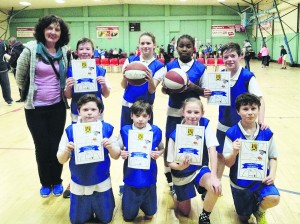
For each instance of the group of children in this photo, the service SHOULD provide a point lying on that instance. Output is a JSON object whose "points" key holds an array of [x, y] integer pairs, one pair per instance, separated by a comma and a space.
{"points": [[91, 192]]}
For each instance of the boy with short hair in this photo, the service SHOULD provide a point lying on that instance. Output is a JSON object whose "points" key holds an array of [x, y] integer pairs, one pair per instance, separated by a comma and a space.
{"points": [[250, 197], [140, 184], [91, 191]]}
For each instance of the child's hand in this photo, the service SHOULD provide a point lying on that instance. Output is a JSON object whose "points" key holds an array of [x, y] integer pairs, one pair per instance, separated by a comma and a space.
{"points": [[268, 180], [236, 145], [263, 126], [69, 147], [216, 186], [155, 154], [106, 144], [70, 82], [124, 153], [101, 80], [185, 163], [207, 93], [148, 76]]}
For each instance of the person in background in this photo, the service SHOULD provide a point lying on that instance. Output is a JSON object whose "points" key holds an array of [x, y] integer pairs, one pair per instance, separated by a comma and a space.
{"points": [[42, 67], [246, 54], [4, 80], [265, 56], [15, 49], [171, 48], [96, 52], [283, 54]]}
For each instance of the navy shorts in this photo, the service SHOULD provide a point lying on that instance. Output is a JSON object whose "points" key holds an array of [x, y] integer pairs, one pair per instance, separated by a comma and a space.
{"points": [[246, 201], [82, 207], [138, 198], [187, 191]]}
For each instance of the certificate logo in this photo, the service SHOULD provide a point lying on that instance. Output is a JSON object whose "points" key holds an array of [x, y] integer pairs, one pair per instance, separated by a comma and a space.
{"points": [[140, 136], [87, 129], [84, 64], [190, 131], [218, 77], [253, 146]]}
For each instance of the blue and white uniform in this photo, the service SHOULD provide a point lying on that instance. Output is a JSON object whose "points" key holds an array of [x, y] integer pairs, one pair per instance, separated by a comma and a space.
{"points": [[90, 184], [133, 93], [186, 180], [195, 70], [247, 193], [75, 96], [140, 185], [241, 82]]}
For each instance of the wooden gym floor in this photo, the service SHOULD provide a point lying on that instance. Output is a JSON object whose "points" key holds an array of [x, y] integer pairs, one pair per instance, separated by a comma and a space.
{"points": [[19, 184]]}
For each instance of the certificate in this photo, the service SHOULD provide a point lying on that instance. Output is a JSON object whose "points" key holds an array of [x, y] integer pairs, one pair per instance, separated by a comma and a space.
{"points": [[219, 84], [84, 73], [253, 160], [139, 148], [189, 142], [88, 142]]}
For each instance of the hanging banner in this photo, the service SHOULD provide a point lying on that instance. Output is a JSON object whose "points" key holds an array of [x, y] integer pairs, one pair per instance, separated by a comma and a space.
{"points": [[107, 31], [25, 31], [223, 30]]}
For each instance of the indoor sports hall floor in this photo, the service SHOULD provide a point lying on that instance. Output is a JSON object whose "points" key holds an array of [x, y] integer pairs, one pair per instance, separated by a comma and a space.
{"points": [[20, 201]]}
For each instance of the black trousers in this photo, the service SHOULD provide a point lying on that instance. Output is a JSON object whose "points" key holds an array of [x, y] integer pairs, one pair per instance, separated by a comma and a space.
{"points": [[46, 125]]}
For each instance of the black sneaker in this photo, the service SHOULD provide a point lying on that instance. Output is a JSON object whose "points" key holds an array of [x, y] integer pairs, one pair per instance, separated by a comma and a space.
{"points": [[204, 219], [66, 193]]}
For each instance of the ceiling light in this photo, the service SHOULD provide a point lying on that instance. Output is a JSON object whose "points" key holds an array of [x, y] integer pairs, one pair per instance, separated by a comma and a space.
{"points": [[221, 0], [25, 3], [60, 1]]}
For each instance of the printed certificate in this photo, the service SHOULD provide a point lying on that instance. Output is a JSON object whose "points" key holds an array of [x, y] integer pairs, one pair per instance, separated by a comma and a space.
{"points": [[87, 141], [253, 160], [139, 148], [84, 73], [189, 142], [219, 84]]}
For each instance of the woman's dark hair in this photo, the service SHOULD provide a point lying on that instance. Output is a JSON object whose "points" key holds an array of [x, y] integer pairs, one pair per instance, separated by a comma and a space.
{"points": [[44, 22]]}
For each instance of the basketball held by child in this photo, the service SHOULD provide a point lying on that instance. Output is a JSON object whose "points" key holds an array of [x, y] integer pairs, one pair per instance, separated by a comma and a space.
{"points": [[175, 80], [135, 73]]}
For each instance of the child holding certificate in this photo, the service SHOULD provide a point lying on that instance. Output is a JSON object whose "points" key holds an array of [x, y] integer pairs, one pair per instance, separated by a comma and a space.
{"points": [[142, 146], [241, 81], [186, 176], [85, 51], [256, 193], [91, 191]]}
